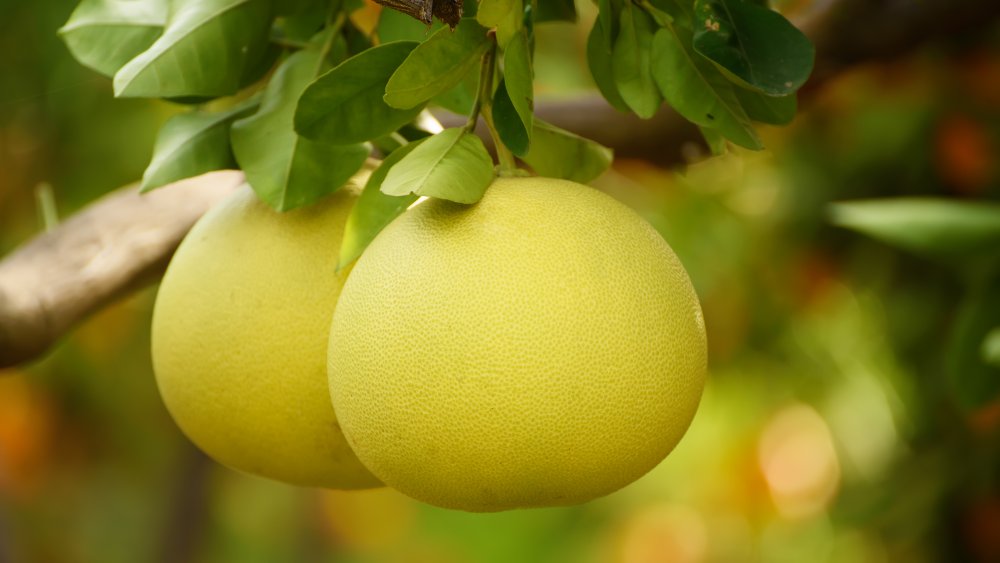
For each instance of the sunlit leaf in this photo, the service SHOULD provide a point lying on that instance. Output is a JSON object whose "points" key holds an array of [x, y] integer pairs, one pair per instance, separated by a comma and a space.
{"points": [[193, 143], [284, 169], [106, 34], [209, 48], [437, 65], [345, 105], [452, 165]]}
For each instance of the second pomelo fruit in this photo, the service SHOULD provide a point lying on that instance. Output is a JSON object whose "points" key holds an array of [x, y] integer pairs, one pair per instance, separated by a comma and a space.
{"points": [[542, 347], [240, 332]]}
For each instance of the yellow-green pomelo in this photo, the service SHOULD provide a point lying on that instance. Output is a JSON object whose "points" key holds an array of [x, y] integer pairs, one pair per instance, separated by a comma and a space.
{"points": [[542, 347], [240, 333]]}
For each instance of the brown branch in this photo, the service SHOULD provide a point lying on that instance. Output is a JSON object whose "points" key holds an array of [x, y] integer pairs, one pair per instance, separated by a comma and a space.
{"points": [[124, 241], [117, 244]]}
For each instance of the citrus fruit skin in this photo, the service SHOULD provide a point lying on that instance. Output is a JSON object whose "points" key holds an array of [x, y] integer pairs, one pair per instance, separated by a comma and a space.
{"points": [[240, 331], [543, 347]]}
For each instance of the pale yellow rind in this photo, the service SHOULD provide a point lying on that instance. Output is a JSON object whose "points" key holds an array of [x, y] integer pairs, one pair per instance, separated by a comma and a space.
{"points": [[542, 347], [240, 333]]}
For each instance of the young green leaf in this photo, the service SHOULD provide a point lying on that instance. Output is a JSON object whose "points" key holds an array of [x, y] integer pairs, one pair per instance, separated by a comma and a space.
{"points": [[345, 105], [374, 209], [599, 61], [560, 154], [697, 90], [452, 165], [556, 10], [937, 227], [106, 34], [519, 79], [754, 45], [209, 48], [507, 16], [631, 62], [973, 380], [193, 143], [768, 109], [286, 170], [510, 128], [437, 65]]}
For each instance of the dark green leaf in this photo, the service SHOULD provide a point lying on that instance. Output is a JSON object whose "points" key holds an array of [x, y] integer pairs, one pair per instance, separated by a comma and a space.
{"points": [[519, 79], [697, 90], [937, 227], [345, 105], [106, 34], [599, 61], [973, 381], [681, 11], [209, 48], [286, 170], [755, 46], [631, 62], [452, 165], [437, 65], [509, 126], [768, 109], [193, 143], [607, 18], [556, 10], [560, 154], [374, 209]]}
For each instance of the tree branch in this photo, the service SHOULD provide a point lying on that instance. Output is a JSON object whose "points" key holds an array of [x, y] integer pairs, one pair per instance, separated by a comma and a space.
{"points": [[124, 241], [116, 245]]}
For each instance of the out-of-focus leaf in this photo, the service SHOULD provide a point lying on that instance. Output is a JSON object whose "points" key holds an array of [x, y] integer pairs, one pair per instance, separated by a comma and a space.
{"points": [[556, 10], [991, 348], [193, 143], [631, 62], [106, 34], [974, 381], [768, 109], [284, 169], [374, 209], [345, 105], [209, 48], [437, 65], [755, 46], [560, 154], [681, 11], [715, 140], [697, 90], [938, 227], [452, 165]]}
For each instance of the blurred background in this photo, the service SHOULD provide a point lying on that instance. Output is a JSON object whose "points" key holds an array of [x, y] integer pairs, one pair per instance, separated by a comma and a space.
{"points": [[836, 426]]}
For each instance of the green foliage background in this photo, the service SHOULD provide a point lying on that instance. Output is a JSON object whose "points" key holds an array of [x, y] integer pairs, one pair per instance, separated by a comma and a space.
{"points": [[851, 414]]}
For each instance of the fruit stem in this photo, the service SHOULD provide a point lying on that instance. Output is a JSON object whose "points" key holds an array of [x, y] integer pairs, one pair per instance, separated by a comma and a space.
{"points": [[484, 107]]}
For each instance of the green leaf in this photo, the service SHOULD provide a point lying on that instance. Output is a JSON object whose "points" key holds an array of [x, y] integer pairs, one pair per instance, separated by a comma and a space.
{"points": [[607, 18], [755, 46], [681, 11], [345, 105], [519, 80], [697, 90], [452, 165], [556, 10], [937, 227], [461, 98], [715, 140], [560, 154], [437, 65], [286, 170], [990, 349], [397, 26], [508, 124], [106, 34], [631, 62], [768, 109], [374, 210], [599, 61], [209, 48], [974, 381], [507, 16], [193, 143]]}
